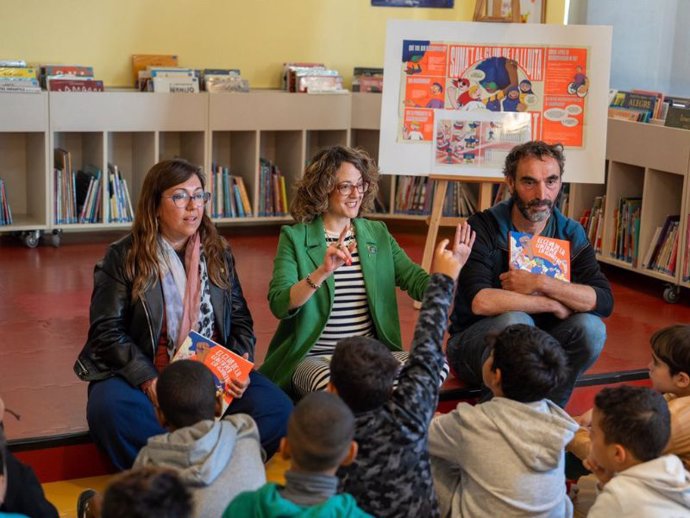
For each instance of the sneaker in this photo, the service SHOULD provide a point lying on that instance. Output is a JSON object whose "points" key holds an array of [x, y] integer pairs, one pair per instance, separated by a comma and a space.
{"points": [[84, 503]]}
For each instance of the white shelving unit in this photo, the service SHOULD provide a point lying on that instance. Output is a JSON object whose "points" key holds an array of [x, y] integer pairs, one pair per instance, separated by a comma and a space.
{"points": [[24, 163]]}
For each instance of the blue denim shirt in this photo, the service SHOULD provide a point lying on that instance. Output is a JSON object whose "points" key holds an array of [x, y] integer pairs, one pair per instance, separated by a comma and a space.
{"points": [[489, 258]]}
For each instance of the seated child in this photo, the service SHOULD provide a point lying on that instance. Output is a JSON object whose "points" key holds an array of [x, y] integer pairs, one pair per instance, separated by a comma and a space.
{"points": [[630, 428], [391, 475], [319, 439], [669, 371], [216, 460], [505, 457], [147, 492], [20, 490]]}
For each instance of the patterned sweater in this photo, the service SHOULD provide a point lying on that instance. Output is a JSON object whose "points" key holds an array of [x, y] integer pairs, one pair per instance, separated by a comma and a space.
{"points": [[391, 476]]}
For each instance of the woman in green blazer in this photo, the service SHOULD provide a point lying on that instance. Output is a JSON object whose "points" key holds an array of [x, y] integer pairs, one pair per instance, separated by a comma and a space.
{"points": [[335, 274]]}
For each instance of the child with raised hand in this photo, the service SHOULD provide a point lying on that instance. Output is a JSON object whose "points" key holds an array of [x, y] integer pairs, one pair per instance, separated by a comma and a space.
{"points": [[505, 457], [319, 440], [630, 428], [669, 371], [391, 475]]}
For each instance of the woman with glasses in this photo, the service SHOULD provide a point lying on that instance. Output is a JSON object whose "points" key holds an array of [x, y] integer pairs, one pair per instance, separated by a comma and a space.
{"points": [[173, 273], [335, 273]]}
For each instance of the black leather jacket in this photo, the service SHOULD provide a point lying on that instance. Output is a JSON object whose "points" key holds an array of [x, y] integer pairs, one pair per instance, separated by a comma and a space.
{"points": [[123, 336]]}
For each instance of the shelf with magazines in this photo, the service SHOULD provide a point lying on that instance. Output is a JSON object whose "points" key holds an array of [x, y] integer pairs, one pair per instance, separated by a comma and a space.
{"points": [[23, 164], [646, 207]]}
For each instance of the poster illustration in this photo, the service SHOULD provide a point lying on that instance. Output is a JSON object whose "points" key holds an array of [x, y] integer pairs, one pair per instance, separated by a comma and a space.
{"points": [[477, 143], [557, 75], [548, 82]]}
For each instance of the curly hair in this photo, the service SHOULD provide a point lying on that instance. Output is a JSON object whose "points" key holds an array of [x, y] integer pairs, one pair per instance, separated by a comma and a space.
{"points": [[319, 180], [141, 265]]}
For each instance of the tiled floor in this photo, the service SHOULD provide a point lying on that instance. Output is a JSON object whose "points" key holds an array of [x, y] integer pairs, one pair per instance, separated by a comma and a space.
{"points": [[44, 320]]}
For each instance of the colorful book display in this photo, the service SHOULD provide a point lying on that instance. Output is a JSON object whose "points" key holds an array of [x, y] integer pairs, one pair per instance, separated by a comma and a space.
{"points": [[539, 254]]}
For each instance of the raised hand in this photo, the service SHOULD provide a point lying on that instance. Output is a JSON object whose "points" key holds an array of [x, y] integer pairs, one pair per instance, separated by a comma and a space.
{"points": [[450, 262], [463, 242], [338, 254]]}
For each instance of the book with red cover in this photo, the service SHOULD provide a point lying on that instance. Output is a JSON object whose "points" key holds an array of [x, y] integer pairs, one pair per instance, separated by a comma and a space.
{"points": [[539, 254], [59, 84], [223, 363]]}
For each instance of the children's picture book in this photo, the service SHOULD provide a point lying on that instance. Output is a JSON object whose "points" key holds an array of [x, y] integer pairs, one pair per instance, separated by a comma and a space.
{"points": [[539, 254], [224, 364]]}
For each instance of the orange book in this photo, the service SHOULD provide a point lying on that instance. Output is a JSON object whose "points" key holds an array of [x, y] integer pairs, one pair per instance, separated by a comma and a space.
{"points": [[539, 254], [223, 363], [142, 61]]}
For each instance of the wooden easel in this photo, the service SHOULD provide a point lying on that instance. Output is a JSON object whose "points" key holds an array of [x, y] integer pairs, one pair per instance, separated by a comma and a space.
{"points": [[482, 13], [437, 219]]}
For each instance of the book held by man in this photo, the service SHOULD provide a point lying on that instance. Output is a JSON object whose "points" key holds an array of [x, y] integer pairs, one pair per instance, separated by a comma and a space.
{"points": [[539, 254], [223, 363]]}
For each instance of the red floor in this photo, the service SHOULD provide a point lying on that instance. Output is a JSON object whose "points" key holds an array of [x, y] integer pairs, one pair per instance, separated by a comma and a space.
{"points": [[44, 320]]}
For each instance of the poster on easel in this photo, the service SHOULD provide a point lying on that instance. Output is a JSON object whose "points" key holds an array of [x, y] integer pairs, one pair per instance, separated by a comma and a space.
{"points": [[556, 75]]}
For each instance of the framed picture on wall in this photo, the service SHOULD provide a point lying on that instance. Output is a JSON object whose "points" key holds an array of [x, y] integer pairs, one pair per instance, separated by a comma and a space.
{"points": [[531, 11]]}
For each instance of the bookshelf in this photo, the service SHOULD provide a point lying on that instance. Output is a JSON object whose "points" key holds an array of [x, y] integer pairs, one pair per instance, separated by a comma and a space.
{"points": [[24, 163], [651, 162], [282, 127]]}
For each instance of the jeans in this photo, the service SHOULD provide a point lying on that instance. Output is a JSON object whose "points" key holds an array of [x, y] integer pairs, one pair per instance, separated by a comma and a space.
{"points": [[581, 335], [121, 417]]}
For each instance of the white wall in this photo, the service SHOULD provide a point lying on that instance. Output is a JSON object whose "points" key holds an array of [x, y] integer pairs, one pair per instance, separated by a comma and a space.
{"points": [[651, 44]]}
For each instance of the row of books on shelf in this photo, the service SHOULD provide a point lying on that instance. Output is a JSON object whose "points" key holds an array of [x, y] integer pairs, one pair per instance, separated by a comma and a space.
{"points": [[662, 254], [17, 76], [367, 79], [79, 194], [593, 222], [461, 200], [626, 223], [230, 198], [649, 106], [272, 190], [414, 195], [310, 78], [5, 210]]}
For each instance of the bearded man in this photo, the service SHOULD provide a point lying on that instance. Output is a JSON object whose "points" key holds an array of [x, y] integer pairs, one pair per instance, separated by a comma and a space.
{"points": [[490, 296]]}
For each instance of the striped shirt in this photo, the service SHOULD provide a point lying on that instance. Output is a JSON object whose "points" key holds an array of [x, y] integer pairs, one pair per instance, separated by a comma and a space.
{"points": [[350, 314]]}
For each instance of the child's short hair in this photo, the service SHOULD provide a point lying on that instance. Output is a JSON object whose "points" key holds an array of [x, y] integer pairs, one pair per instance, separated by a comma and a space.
{"points": [[320, 431], [186, 393], [637, 418], [672, 346], [363, 371], [532, 362], [146, 492]]}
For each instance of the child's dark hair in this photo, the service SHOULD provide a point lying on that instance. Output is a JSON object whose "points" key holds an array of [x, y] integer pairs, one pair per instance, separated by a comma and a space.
{"points": [[363, 371], [146, 492], [320, 431], [532, 362], [672, 346], [637, 418], [186, 393]]}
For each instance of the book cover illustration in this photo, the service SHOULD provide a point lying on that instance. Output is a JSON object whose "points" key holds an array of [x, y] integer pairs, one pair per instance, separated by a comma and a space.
{"points": [[539, 254], [223, 363]]}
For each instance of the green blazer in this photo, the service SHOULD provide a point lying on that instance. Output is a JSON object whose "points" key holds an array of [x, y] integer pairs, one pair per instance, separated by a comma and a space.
{"points": [[301, 249]]}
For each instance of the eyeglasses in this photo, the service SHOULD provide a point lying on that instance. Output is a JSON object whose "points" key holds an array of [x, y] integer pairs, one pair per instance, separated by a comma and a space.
{"points": [[346, 188], [181, 199]]}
